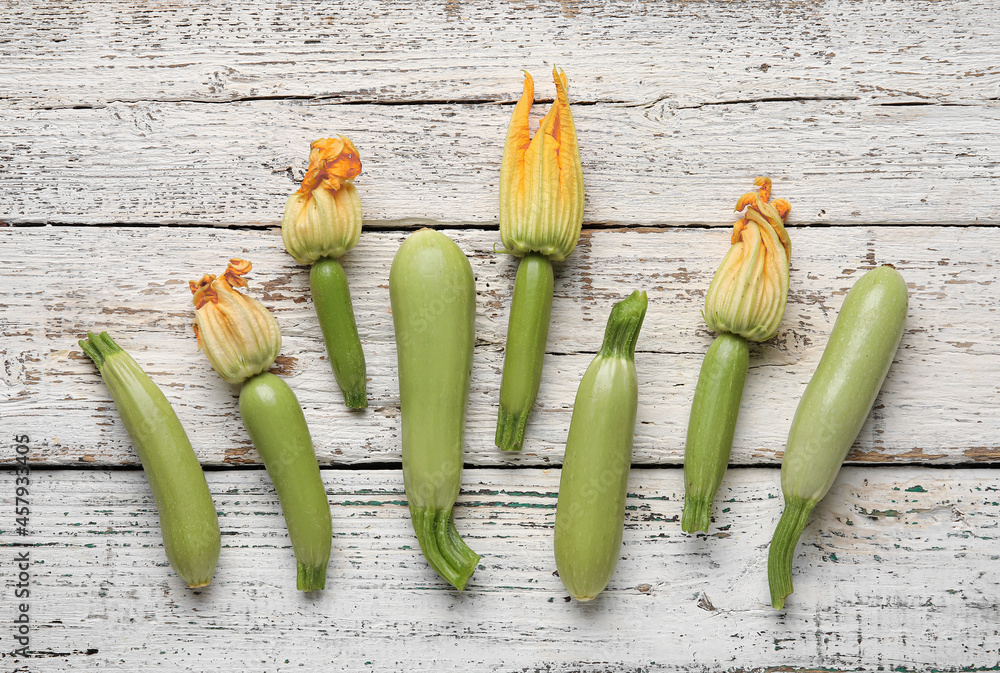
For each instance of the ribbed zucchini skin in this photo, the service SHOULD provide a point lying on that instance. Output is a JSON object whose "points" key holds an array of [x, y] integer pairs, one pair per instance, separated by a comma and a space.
{"points": [[433, 296]]}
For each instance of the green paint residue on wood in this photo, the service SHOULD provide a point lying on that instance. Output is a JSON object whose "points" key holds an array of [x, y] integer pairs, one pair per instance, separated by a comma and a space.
{"points": [[879, 512], [530, 494], [916, 489]]}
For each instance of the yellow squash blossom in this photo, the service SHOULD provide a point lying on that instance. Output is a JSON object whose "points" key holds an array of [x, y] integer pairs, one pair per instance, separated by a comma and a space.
{"points": [[323, 218], [239, 336], [748, 293], [541, 179]]}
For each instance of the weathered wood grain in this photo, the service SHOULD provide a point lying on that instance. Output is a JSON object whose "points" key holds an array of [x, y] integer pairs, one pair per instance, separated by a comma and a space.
{"points": [[939, 403], [89, 53], [838, 162], [896, 571]]}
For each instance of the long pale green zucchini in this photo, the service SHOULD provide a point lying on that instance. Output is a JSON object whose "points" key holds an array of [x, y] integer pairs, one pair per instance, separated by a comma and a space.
{"points": [[833, 408], [433, 298], [188, 521], [590, 511]]}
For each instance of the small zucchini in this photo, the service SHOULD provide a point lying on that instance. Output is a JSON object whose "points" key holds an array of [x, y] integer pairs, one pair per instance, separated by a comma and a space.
{"points": [[241, 339], [745, 302], [188, 520], [590, 511], [833, 408], [277, 427], [332, 299], [322, 222], [712, 426], [527, 332], [433, 298], [541, 215]]}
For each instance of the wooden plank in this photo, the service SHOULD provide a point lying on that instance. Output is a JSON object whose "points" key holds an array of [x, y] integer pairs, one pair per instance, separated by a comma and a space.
{"points": [[896, 571], [838, 162], [938, 404], [92, 52]]}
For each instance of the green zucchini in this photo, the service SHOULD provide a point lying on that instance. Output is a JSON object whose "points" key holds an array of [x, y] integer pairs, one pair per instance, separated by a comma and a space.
{"points": [[433, 298], [834, 407], [188, 520], [590, 511], [527, 332], [332, 299], [277, 427], [712, 426], [241, 339], [745, 302]]}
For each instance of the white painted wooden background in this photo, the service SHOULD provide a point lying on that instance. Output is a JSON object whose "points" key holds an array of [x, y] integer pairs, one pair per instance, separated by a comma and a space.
{"points": [[143, 144]]}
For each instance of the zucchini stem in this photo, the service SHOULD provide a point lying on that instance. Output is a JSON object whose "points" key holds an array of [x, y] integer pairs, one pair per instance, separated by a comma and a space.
{"points": [[527, 332], [786, 537], [623, 327], [442, 546], [98, 347], [310, 577], [697, 514], [332, 299]]}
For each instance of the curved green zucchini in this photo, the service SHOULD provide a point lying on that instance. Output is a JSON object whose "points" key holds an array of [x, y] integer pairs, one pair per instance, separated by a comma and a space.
{"points": [[833, 408], [433, 297], [332, 299], [590, 511], [188, 520], [711, 427], [274, 420]]}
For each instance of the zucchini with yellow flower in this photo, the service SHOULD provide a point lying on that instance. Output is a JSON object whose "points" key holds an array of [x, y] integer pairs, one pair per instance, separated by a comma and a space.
{"points": [[241, 339], [188, 521], [590, 511], [834, 406], [433, 298], [541, 215], [745, 302], [322, 222]]}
